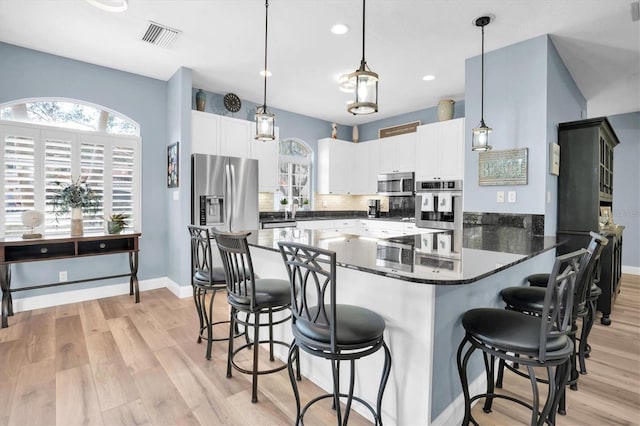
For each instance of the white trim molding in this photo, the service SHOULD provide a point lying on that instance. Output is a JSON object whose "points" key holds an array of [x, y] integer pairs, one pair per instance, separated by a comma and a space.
{"points": [[633, 270], [74, 296]]}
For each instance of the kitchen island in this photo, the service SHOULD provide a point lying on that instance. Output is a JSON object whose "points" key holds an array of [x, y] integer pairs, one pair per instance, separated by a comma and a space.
{"points": [[420, 284]]}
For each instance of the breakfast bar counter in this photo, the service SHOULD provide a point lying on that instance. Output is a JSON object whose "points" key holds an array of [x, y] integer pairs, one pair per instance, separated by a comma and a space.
{"points": [[420, 284]]}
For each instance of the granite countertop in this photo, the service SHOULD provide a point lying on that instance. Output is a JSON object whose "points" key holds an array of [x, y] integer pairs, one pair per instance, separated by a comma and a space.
{"points": [[441, 257]]}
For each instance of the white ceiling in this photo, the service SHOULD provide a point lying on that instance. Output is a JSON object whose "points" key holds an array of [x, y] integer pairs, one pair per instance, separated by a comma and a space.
{"points": [[222, 42]]}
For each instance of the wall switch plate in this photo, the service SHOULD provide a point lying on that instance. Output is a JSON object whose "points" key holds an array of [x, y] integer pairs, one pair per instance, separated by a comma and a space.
{"points": [[512, 196], [62, 276], [500, 197]]}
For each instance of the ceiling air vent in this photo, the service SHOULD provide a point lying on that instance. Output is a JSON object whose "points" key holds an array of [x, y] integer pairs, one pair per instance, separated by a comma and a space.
{"points": [[160, 35]]}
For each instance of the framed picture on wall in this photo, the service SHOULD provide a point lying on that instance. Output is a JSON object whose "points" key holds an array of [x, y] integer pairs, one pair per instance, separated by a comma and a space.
{"points": [[173, 165]]}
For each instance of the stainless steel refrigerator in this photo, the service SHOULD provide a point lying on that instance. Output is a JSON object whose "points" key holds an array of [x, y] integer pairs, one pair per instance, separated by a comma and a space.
{"points": [[224, 192]]}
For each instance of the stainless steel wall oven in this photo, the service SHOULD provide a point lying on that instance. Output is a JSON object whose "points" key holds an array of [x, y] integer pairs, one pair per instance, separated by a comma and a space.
{"points": [[439, 204]]}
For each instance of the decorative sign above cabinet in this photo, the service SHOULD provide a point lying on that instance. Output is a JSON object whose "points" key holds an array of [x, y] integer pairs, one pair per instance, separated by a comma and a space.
{"points": [[507, 167], [398, 130]]}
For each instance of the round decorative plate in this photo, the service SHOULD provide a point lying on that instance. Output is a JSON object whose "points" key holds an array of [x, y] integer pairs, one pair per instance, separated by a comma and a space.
{"points": [[232, 102]]}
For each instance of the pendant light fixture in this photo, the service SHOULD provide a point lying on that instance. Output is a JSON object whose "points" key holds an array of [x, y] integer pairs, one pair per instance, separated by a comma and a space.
{"points": [[265, 122], [480, 138], [365, 82]]}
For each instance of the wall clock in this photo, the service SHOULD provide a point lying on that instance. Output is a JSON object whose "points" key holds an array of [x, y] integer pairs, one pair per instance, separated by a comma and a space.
{"points": [[232, 102]]}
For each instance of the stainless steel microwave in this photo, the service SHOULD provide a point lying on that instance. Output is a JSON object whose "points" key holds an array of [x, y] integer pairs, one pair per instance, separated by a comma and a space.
{"points": [[396, 184]]}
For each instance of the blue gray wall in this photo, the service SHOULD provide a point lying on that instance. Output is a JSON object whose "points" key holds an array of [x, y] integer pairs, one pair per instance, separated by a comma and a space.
{"points": [[26, 73], [178, 204], [528, 91], [565, 103], [515, 106], [626, 188]]}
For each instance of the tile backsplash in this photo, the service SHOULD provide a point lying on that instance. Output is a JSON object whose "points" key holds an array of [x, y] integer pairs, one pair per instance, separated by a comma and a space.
{"points": [[329, 202]]}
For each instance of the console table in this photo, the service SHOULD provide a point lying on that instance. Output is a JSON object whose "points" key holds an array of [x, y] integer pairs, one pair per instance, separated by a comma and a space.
{"points": [[17, 250]]}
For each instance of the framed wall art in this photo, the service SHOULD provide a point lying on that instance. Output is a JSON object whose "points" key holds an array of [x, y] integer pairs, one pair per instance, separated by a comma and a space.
{"points": [[173, 165], [508, 167]]}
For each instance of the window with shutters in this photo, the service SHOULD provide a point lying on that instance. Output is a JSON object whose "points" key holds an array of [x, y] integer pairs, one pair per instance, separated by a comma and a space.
{"points": [[36, 157]]}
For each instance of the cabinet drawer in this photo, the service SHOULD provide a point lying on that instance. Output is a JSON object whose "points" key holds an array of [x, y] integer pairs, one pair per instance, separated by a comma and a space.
{"points": [[105, 246], [38, 251]]}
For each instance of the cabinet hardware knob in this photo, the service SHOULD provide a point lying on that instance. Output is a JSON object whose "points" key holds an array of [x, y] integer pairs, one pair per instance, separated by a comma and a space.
{"points": [[102, 245], [44, 250]]}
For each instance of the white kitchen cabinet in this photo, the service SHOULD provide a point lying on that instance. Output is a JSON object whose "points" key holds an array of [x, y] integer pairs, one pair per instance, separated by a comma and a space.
{"points": [[335, 166], [440, 150], [235, 137], [217, 135], [267, 152], [367, 167], [205, 133], [398, 153]]}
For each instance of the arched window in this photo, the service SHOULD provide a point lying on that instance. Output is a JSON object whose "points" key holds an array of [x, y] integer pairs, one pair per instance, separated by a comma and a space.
{"points": [[294, 171], [46, 141], [69, 114]]}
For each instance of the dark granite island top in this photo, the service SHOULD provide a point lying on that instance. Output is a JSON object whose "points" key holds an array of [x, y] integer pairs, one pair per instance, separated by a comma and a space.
{"points": [[438, 257]]}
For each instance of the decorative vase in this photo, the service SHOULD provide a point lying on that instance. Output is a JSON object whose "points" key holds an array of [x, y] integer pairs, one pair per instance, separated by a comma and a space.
{"points": [[201, 100], [445, 109], [77, 229], [355, 135]]}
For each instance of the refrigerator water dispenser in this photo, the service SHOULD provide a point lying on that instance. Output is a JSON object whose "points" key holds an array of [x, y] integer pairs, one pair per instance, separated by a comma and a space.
{"points": [[211, 210]]}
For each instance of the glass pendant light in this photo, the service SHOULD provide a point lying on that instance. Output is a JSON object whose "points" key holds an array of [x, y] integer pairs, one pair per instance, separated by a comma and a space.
{"points": [[265, 122], [480, 138], [365, 82]]}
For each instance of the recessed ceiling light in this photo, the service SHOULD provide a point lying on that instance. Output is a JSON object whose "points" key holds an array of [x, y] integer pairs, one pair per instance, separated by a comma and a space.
{"points": [[340, 29], [429, 77], [267, 72], [110, 5]]}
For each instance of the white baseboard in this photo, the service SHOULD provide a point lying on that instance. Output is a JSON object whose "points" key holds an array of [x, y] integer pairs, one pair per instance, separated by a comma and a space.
{"points": [[454, 413], [74, 296], [633, 270]]}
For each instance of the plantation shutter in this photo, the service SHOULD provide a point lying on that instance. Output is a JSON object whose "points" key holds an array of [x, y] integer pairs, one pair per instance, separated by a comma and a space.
{"points": [[18, 168], [58, 167], [92, 168], [123, 179]]}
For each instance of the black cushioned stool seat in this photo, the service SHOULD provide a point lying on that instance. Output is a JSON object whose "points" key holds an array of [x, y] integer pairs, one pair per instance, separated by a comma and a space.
{"points": [[513, 332]]}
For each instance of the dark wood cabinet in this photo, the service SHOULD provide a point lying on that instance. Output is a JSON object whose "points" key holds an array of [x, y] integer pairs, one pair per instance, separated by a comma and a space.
{"points": [[585, 185]]}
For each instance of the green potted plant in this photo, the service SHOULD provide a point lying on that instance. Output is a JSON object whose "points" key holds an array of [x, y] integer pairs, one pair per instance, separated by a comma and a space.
{"points": [[305, 203], [75, 197], [117, 222]]}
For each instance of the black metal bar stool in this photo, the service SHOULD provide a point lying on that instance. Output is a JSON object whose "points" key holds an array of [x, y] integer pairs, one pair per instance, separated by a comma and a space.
{"points": [[253, 296], [587, 313], [325, 329], [530, 300], [206, 282], [533, 341]]}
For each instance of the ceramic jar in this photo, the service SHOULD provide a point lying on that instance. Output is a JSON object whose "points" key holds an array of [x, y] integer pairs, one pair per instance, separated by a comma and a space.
{"points": [[445, 109]]}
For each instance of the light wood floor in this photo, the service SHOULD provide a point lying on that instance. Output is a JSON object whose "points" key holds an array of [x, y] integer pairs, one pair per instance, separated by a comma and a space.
{"points": [[111, 362]]}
